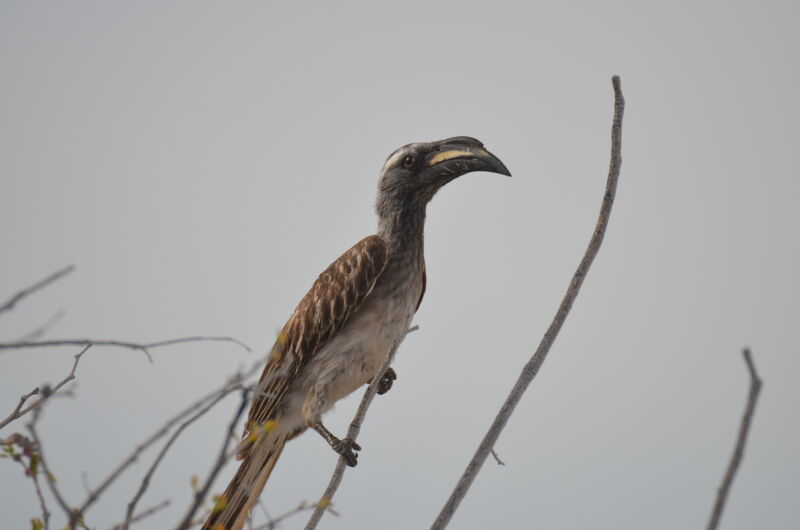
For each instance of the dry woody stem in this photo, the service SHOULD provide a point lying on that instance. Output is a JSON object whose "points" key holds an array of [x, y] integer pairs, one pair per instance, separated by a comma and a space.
{"points": [[741, 440], [532, 367]]}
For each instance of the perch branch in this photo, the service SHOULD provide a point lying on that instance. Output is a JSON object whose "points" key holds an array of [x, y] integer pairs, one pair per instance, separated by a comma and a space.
{"points": [[352, 433], [534, 364], [741, 440]]}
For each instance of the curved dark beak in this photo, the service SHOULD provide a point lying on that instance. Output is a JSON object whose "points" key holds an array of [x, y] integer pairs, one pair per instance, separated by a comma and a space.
{"points": [[457, 156]]}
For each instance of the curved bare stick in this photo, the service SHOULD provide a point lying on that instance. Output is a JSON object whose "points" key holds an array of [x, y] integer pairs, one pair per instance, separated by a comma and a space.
{"points": [[352, 432], [11, 302], [532, 367], [741, 440], [19, 411], [142, 347]]}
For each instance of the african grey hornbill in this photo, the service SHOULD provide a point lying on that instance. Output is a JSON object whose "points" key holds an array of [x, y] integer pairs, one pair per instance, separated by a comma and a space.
{"points": [[342, 330]]}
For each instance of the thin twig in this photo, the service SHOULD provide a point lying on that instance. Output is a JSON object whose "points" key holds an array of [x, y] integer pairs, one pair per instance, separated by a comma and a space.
{"points": [[129, 517], [72, 514], [741, 441], [142, 347], [532, 367], [139, 516], [497, 458], [230, 386], [16, 412], [223, 456], [32, 469], [273, 523], [11, 302], [42, 328], [45, 511], [352, 432], [19, 412]]}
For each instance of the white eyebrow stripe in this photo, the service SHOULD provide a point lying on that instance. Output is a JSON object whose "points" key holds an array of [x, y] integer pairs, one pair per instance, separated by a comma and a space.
{"points": [[394, 158]]}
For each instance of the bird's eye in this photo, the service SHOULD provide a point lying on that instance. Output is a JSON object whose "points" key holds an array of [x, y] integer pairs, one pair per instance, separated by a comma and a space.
{"points": [[408, 161]]}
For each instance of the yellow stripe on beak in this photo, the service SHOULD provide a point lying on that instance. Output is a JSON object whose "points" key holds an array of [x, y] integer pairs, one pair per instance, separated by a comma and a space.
{"points": [[455, 153]]}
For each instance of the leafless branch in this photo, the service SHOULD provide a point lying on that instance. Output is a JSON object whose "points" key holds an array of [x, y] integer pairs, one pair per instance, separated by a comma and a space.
{"points": [[45, 511], [532, 367], [72, 514], [139, 516], [30, 451], [129, 517], [142, 347], [273, 523], [233, 384], [497, 458], [741, 440], [40, 330], [19, 411], [11, 302], [352, 432], [16, 412], [223, 457]]}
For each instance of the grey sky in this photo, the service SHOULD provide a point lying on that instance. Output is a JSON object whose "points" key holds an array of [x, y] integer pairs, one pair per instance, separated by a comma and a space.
{"points": [[201, 164]]}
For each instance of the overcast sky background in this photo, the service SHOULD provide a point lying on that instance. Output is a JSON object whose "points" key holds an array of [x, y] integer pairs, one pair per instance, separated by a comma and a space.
{"points": [[200, 163]]}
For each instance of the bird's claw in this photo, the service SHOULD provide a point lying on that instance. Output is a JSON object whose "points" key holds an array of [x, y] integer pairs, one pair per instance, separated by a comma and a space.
{"points": [[347, 449], [386, 381]]}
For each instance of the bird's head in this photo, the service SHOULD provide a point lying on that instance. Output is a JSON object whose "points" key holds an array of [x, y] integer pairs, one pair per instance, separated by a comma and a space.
{"points": [[415, 172]]}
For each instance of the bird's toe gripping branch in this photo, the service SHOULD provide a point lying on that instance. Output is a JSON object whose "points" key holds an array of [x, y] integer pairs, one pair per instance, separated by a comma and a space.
{"points": [[345, 447], [385, 384]]}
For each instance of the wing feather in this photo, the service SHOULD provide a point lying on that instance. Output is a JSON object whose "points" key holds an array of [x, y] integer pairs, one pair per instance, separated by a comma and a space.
{"points": [[336, 294]]}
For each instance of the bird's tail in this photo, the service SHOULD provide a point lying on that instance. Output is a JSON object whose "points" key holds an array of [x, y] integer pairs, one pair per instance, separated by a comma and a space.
{"points": [[233, 508]]}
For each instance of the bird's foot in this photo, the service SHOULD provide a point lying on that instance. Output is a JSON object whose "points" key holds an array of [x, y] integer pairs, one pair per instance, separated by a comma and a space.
{"points": [[386, 381], [345, 447]]}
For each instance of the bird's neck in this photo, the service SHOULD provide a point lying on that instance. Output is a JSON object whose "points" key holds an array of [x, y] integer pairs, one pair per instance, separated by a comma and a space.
{"points": [[402, 228]]}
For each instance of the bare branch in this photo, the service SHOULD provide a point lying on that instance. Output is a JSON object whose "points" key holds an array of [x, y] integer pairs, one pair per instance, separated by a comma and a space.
{"points": [[143, 347], [235, 383], [72, 514], [42, 328], [273, 523], [16, 412], [139, 516], [19, 412], [532, 367], [352, 432], [45, 511], [223, 457], [11, 302], [741, 441], [497, 458], [129, 517]]}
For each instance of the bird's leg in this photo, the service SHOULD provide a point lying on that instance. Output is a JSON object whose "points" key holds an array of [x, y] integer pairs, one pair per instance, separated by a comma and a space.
{"points": [[345, 447], [386, 381]]}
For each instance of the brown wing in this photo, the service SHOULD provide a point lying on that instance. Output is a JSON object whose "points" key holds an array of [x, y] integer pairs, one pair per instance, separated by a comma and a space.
{"points": [[335, 295]]}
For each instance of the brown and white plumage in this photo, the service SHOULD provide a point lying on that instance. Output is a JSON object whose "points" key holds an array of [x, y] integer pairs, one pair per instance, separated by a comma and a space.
{"points": [[341, 331]]}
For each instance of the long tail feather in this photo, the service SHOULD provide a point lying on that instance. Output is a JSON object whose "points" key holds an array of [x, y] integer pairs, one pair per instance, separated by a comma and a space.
{"points": [[246, 486]]}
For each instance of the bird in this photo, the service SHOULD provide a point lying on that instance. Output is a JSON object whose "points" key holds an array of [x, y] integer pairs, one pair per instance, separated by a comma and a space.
{"points": [[343, 329]]}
